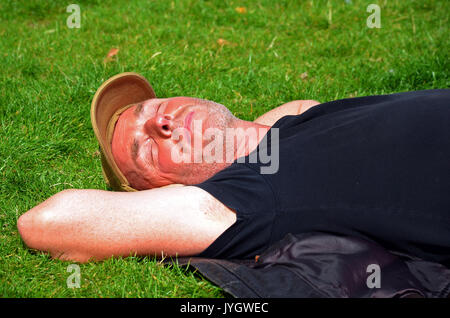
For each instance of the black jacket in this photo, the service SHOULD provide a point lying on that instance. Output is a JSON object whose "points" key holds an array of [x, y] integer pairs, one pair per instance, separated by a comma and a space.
{"points": [[322, 265]]}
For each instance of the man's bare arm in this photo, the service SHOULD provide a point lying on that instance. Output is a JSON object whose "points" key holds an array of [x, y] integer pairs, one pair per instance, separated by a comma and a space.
{"points": [[81, 225], [295, 107]]}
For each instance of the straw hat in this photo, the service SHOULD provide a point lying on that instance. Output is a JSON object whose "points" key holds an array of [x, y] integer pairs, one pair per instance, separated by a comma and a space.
{"points": [[111, 99]]}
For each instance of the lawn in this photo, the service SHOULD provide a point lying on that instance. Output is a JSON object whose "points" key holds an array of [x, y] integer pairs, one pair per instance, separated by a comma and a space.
{"points": [[248, 55]]}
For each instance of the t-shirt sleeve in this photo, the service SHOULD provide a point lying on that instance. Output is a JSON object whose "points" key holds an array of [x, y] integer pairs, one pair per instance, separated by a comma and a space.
{"points": [[245, 191]]}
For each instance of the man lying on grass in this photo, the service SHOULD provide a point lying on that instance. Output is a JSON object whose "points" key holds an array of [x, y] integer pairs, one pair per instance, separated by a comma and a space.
{"points": [[375, 167]]}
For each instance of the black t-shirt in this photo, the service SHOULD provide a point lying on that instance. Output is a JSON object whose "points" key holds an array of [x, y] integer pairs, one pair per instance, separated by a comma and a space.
{"points": [[376, 167]]}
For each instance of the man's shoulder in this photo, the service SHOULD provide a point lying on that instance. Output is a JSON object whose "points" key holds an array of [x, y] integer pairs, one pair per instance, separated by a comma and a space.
{"points": [[295, 107]]}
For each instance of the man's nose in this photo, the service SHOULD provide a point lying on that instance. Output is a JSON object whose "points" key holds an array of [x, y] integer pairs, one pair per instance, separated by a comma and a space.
{"points": [[160, 124]]}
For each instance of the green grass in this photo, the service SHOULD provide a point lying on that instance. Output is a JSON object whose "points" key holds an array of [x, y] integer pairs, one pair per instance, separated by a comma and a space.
{"points": [[49, 74]]}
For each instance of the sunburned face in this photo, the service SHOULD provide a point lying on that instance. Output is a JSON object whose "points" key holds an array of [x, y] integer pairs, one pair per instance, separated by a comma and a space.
{"points": [[145, 135]]}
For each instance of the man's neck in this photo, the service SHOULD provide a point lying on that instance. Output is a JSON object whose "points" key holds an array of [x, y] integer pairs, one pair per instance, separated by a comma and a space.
{"points": [[247, 136]]}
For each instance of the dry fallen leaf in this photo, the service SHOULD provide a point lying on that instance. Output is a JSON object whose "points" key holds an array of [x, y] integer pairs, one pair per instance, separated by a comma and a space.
{"points": [[241, 10], [222, 42], [109, 57], [112, 52], [304, 75]]}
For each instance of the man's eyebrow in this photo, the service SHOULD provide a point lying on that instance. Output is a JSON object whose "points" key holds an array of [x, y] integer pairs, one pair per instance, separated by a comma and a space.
{"points": [[138, 109], [134, 149]]}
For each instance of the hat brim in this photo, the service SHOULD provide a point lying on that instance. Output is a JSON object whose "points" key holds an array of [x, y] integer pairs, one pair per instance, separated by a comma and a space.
{"points": [[114, 95]]}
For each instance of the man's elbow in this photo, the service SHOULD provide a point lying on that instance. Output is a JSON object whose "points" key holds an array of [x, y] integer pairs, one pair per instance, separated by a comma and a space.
{"points": [[25, 225], [43, 227], [32, 224]]}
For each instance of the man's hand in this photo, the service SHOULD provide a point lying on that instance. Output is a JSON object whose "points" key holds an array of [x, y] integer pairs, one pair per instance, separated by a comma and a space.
{"points": [[81, 225], [295, 107]]}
